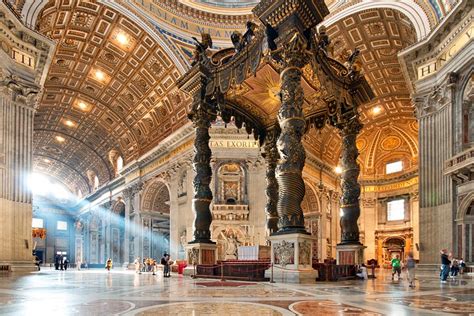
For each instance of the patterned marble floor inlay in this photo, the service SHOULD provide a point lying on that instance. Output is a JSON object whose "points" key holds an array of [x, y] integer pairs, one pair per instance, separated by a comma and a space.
{"points": [[224, 284], [96, 292]]}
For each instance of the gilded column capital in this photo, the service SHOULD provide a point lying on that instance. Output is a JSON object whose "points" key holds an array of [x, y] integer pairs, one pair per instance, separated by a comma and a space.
{"points": [[19, 90]]}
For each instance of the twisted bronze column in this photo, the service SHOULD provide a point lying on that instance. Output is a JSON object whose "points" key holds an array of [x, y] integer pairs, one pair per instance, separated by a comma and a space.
{"points": [[202, 119], [271, 158], [350, 209], [291, 150]]}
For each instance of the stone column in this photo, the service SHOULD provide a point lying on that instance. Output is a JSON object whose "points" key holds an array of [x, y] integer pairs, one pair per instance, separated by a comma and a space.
{"points": [[350, 208], [201, 119], [290, 148], [271, 158]]}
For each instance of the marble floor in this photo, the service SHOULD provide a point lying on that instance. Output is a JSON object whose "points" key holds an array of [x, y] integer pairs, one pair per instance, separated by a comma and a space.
{"points": [[96, 292]]}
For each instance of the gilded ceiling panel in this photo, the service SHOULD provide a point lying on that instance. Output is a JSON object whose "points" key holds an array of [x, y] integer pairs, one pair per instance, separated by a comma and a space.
{"points": [[390, 129], [109, 88]]}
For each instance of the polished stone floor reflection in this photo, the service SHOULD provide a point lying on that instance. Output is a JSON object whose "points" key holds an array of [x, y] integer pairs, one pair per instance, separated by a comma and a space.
{"points": [[96, 292]]}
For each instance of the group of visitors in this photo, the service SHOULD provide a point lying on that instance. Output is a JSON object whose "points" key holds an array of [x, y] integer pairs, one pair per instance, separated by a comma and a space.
{"points": [[60, 262], [150, 265], [410, 265], [450, 266]]}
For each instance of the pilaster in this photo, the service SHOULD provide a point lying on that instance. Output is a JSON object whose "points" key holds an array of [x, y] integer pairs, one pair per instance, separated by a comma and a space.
{"points": [[20, 84]]}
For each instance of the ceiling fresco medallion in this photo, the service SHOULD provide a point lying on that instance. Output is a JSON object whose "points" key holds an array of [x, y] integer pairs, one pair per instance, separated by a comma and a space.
{"points": [[391, 143]]}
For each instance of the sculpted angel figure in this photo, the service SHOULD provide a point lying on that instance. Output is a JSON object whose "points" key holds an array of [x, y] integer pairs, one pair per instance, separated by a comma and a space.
{"points": [[201, 48]]}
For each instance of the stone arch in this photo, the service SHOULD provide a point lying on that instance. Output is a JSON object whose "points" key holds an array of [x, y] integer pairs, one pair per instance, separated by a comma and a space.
{"points": [[156, 197], [118, 207], [464, 206], [420, 20], [392, 246], [311, 203]]}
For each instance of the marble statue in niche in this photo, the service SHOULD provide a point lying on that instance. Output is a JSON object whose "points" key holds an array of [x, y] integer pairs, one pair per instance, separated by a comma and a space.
{"points": [[182, 239], [231, 245], [182, 184]]}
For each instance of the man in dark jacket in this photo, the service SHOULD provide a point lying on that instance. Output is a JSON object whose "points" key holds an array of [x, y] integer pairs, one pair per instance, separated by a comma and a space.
{"points": [[445, 264]]}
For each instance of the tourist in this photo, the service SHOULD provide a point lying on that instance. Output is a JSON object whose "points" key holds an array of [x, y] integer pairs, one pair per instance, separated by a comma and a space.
{"points": [[61, 262], [165, 262], [445, 264], [66, 263], [137, 266], [462, 266], [56, 262], [78, 264], [454, 268], [144, 265], [108, 264], [153, 266], [37, 262], [396, 267], [362, 273], [410, 264]]}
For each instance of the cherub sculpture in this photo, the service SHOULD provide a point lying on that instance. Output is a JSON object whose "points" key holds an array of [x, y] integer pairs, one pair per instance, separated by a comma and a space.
{"points": [[200, 54]]}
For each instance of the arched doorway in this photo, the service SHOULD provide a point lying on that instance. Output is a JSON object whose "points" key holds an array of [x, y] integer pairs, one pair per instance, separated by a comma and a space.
{"points": [[312, 219], [465, 229], [393, 247], [156, 220]]}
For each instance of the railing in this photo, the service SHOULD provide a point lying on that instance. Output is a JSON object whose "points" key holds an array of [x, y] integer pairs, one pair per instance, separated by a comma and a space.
{"points": [[459, 161]]}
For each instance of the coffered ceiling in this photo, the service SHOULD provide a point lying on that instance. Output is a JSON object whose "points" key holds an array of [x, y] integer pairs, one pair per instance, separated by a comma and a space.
{"points": [[110, 87], [390, 129]]}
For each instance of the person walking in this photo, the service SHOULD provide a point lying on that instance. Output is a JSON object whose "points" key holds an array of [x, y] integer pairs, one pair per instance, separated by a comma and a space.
{"points": [[410, 264], [108, 264], [56, 262], [462, 266], [137, 266], [165, 262], [396, 267], [445, 264], [66, 263]]}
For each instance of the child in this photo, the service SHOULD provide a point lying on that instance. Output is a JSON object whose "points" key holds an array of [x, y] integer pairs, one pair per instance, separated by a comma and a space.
{"points": [[396, 267]]}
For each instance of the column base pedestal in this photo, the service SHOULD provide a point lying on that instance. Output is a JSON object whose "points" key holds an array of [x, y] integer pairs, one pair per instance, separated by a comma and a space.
{"points": [[291, 256], [20, 266], [200, 253], [350, 254]]}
